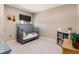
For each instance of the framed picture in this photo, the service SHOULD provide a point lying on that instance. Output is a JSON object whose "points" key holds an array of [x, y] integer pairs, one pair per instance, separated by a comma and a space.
{"points": [[9, 17], [13, 18]]}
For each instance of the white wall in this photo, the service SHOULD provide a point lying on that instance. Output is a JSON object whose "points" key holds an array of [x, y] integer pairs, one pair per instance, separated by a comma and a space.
{"points": [[48, 21], [10, 26], [77, 18], [61, 17], [1, 21]]}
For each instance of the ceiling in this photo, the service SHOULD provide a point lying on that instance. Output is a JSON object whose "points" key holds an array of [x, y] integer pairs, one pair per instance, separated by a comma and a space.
{"points": [[34, 8]]}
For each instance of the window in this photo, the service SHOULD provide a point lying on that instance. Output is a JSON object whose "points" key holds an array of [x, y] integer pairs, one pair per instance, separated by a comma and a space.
{"points": [[24, 19]]}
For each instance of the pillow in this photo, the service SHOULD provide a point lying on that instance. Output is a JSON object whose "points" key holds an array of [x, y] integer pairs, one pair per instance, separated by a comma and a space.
{"points": [[30, 35], [4, 48], [24, 34]]}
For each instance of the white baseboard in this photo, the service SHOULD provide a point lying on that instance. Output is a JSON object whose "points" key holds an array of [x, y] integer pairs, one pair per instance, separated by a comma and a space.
{"points": [[54, 40], [48, 38], [11, 41]]}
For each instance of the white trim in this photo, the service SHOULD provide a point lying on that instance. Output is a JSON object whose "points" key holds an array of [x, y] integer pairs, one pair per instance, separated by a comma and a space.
{"points": [[54, 40], [10, 41], [48, 38]]}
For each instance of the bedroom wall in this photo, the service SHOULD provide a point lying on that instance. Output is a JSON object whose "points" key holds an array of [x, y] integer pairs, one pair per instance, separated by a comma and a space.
{"points": [[51, 20], [78, 18], [10, 26], [1, 21]]}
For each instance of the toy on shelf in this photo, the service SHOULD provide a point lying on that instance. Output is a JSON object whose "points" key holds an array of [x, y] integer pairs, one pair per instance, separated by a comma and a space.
{"points": [[75, 40]]}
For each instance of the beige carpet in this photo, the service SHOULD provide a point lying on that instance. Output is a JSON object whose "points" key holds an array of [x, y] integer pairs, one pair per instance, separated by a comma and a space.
{"points": [[39, 46]]}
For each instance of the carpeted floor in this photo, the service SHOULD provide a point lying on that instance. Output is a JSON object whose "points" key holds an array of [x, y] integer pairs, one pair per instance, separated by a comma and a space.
{"points": [[39, 46]]}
